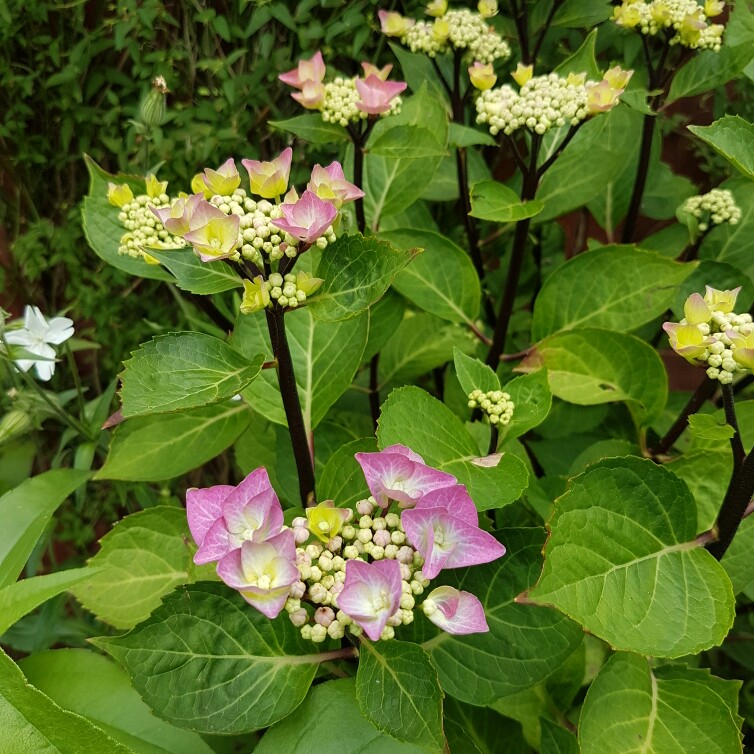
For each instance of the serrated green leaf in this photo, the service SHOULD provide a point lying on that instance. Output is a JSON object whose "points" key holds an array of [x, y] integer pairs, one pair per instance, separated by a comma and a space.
{"points": [[237, 670], [312, 128], [590, 366], [25, 512], [325, 357], [441, 280], [532, 398], [153, 448], [102, 228], [195, 276], [622, 538], [615, 287], [407, 142], [708, 70], [525, 643], [631, 707], [733, 138], [557, 740], [357, 272], [140, 559], [473, 375], [464, 136], [441, 439], [321, 718], [180, 371], [738, 560], [497, 203], [32, 722], [577, 14], [94, 687], [399, 692], [342, 479], [481, 730], [584, 59]]}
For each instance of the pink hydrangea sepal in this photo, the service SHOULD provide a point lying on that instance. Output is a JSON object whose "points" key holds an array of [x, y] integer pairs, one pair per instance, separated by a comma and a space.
{"points": [[204, 507], [455, 612]]}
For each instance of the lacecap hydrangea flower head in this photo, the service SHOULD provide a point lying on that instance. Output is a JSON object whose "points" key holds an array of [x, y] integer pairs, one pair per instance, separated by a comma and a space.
{"points": [[363, 570], [712, 335]]}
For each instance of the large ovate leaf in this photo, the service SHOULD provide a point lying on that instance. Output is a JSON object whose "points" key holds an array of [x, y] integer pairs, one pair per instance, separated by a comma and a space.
{"points": [[236, 670], [179, 371], [708, 69], [590, 366], [733, 138], [442, 440], [140, 559], [312, 128], [195, 276], [622, 538], [525, 643], [480, 730], [442, 280], [493, 201], [94, 687], [331, 715], [153, 448], [325, 357], [342, 478], [25, 512], [357, 271], [399, 692], [406, 141], [557, 740], [32, 722], [16, 600], [615, 287], [633, 708], [102, 228]]}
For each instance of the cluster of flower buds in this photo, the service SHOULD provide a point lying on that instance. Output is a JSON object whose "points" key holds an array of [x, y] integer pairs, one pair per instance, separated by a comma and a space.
{"points": [[545, 102], [711, 334], [344, 100], [495, 403], [289, 291], [459, 30], [142, 229], [685, 21], [713, 208], [338, 570]]}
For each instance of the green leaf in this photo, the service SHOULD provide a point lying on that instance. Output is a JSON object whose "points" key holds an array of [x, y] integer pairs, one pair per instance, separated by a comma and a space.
{"points": [[733, 138], [707, 70], [632, 707], [708, 427], [25, 512], [481, 730], [442, 280], [195, 276], [615, 287], [153, 448], [578, 14], [19, 599], [531, 396], [399, 692], [525, 643], [312, 128], [342, 479], [464, 136], [179, 371], [738, 560], [389, 312], [140, 559], [622, 539], [590, 366], [557, 740], [473, 375], [443, 442], [102, 228], [325, 357], [493, 201], [418, 72], [584, 59], [94, 687], [32, 722], [357, 271], [404, 141], [330, 717], [237, 671]]}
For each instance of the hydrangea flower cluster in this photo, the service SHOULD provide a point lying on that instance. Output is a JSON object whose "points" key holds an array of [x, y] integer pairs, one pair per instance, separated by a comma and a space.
{"points": [[142, 229], [685, 21], [37, 336], [549, 101], [713, 208], [711, 334], [495, 403], [338, 570], [344, 100], [462, 30], [289, 291]]}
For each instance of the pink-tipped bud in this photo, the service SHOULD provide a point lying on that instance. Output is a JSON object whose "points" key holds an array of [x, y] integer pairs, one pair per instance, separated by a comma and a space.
{"points": [[364, 508], [324, 616], [298, 617], [381, 538], [334, 544], [300, 534], [297, 590]]}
